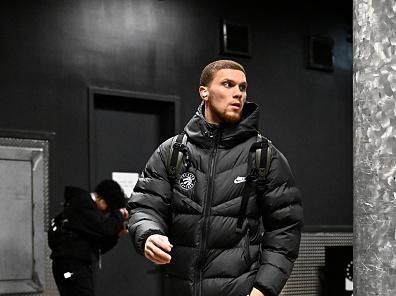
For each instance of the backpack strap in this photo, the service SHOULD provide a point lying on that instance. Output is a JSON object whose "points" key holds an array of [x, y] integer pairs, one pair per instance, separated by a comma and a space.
{"points": [[262, 149], [178, 147], [262, 162]]}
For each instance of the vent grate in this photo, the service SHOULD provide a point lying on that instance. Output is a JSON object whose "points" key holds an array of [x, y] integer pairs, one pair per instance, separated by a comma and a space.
{"points": [[304, 280]]}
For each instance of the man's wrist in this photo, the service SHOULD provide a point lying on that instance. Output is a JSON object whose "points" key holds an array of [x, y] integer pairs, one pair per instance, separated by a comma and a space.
{"points": [[145, 236], [256, 292]]}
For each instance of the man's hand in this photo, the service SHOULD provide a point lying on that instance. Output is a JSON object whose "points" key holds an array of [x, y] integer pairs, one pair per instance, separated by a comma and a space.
{"points": [[256, 292], [124, 213], [157, 248], [125, 216], [123, 232]]}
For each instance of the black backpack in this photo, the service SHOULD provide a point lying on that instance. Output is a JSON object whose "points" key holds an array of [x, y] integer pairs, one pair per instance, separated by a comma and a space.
{"points": [[262, 148], [57, 232]]}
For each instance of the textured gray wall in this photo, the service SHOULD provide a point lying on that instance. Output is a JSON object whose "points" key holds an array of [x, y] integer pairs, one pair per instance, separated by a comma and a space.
{"points": [[374, 147]]}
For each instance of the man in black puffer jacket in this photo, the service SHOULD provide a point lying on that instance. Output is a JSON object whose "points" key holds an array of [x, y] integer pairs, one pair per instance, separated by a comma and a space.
{"points": [[190, 225], [88, 227]]}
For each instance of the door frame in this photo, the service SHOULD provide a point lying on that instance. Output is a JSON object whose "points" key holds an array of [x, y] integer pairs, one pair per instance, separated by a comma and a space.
{"points": [[128, 95]]}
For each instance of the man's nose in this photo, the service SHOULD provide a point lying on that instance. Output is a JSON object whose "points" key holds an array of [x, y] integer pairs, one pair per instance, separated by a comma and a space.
{"points": [[238, 93]]}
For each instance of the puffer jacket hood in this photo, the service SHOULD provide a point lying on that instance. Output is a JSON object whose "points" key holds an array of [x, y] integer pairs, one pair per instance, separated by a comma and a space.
{"points": [[198, 129]]}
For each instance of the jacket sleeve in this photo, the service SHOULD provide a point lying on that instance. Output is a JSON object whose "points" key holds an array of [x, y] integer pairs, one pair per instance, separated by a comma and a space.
{"points": [[103, 227], [282, 217], [150, 201], [107, 244]]}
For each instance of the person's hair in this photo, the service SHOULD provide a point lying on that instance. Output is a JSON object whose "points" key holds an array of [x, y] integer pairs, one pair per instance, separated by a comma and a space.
{"points": [[112, 193], [209, 71]]}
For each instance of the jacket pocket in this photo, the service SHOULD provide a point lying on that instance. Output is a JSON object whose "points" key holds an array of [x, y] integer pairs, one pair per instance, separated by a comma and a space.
{"points": [[183, 204], [192, 204]]}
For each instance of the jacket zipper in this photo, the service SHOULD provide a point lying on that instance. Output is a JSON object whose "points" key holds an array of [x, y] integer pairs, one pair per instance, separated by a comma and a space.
{"points": [[100, 258], [207, 208]]}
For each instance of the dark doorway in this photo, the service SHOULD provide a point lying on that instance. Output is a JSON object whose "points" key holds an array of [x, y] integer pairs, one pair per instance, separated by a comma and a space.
{"points": [[125, 129]]}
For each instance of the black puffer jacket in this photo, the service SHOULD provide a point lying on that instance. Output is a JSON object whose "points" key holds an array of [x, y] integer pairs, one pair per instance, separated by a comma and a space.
{"points": [[209, 257], [87, 232]]}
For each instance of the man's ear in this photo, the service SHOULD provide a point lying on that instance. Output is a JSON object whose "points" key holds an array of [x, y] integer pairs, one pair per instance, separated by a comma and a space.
{"points": [[203, 92]]}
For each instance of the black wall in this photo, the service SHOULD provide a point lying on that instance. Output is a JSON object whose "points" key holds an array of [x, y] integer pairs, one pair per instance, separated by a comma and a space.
{"points": [[52, 51]]}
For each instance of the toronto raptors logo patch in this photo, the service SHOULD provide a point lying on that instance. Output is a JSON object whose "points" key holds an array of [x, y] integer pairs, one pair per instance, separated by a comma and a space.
{"points": [[187, 181]]}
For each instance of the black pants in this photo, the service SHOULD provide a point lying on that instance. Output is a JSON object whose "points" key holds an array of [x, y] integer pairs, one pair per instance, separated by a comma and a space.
{"points": [[73, 277]]}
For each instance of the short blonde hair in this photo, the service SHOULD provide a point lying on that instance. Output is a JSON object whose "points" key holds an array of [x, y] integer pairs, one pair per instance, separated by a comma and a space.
{"points": [[209, 71]]}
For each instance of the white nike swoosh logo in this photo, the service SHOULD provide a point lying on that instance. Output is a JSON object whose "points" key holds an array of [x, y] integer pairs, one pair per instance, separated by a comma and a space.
{"points": [[239, 180]]}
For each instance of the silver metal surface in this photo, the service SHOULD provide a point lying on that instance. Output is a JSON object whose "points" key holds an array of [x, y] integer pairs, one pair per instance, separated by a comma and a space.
{"points": [[374, 147], [23, 211]]}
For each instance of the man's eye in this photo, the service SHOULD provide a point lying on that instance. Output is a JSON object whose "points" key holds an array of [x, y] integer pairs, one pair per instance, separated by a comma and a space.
{"points": [[226, 84], [242, 87]]}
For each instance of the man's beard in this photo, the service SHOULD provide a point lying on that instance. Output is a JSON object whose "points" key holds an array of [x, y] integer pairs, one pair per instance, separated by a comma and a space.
{"points": [[226, 117]]}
